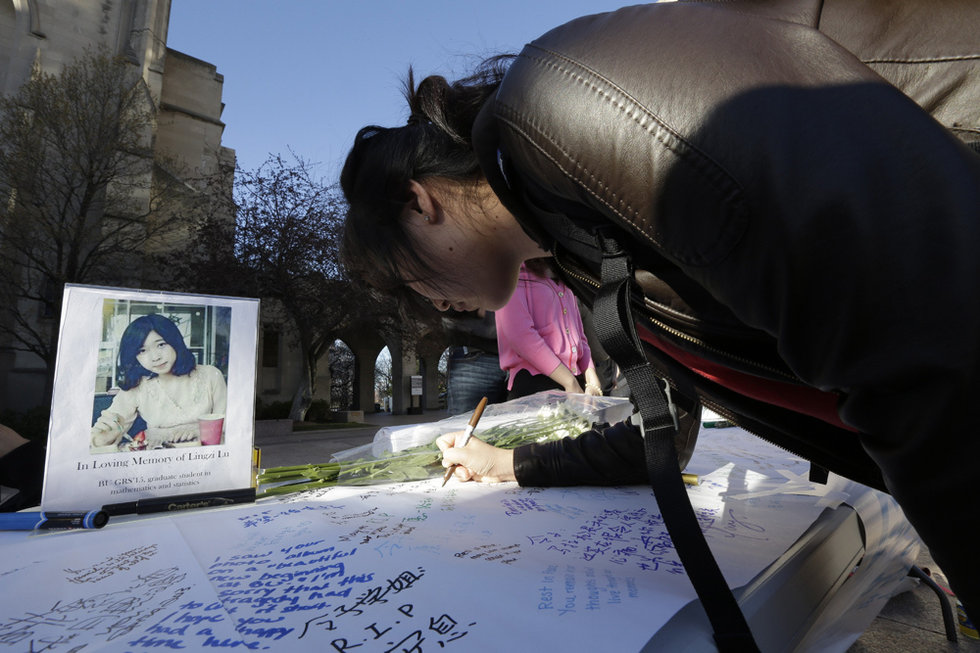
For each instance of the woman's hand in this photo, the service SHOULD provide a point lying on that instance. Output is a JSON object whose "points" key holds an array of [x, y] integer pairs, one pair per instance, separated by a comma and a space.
{"points": [[103, 436], [592, 385], [156, 437], [478, 461], [564, 377]]}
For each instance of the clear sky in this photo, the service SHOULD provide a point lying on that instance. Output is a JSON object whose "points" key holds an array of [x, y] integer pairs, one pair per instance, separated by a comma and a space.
{"points": [[307, 74]]}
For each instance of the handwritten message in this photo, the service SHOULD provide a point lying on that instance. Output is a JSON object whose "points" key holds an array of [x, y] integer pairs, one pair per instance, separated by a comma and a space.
{"points": [[100, 593], [409, 568]]}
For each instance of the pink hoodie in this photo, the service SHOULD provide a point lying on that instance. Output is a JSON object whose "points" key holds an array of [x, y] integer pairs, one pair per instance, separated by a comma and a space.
{"points": [[541, 327]]}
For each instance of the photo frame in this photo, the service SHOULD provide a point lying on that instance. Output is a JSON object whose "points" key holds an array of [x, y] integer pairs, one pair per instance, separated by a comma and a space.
{"points": [[154, 396]]}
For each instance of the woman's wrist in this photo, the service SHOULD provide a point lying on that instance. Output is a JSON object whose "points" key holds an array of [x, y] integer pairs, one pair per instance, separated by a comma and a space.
{"points": [[504, 467], [564, 377]]}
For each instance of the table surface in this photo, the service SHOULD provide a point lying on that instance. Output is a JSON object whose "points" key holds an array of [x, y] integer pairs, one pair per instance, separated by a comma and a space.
{"points": [[470, 566]]}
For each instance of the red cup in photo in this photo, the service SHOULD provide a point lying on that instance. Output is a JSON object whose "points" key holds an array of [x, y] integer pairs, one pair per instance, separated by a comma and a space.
{"points": [[210, 426]]}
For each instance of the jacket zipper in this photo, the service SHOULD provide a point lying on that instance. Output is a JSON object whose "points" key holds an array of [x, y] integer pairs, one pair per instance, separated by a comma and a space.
{"points": [[734, 419], [816, 457], [684, 336]]}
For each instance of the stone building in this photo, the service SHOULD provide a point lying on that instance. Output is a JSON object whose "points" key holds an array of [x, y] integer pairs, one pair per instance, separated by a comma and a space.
{"points": [[186, 127], [184, 94]]}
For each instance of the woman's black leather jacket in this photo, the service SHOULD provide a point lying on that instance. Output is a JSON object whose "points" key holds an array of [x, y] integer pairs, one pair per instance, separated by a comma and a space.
{"points": [[794, 182]]}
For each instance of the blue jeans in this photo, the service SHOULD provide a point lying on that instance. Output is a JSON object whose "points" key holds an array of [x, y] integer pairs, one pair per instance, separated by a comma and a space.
{"points": [[473, 375]]}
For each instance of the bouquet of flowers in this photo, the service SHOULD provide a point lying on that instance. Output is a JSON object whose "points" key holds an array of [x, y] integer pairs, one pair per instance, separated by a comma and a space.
{"points": [[557, 417]]}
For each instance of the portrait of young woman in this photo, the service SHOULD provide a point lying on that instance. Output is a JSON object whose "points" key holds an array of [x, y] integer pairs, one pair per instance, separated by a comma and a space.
{"points": [[160, 388]]}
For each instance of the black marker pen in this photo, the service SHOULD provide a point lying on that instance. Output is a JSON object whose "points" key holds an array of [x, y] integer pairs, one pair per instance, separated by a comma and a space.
{"points": [[181, 502]]}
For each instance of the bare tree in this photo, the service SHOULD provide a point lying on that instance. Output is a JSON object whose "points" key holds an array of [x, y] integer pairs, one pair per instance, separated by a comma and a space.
{"points": [[288, 230], [341, 375], [286, 236], [382, 375], [79, 193]]}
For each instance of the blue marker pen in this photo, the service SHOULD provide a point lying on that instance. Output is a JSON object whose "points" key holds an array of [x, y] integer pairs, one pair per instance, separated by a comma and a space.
{"points": [[29, 521]]}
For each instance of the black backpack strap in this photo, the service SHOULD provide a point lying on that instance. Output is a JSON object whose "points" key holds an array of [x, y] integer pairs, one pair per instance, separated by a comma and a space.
{"points": [[617, 333]]}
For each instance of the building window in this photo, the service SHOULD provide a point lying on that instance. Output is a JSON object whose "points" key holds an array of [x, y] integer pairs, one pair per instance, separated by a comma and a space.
{"points": [[270, 348]]}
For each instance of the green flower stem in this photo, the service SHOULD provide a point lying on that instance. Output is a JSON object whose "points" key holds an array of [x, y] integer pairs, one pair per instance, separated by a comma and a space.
{"points": [[416, 463]]}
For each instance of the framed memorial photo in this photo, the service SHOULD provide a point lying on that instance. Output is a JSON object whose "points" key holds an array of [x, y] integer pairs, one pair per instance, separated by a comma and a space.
{"points": [[153, 397]]}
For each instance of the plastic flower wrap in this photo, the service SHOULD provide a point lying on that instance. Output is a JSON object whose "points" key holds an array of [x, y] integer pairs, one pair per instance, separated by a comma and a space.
{"points": [[542, 417]]}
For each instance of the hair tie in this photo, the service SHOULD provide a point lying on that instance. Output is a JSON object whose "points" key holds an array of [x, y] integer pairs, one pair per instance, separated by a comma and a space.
{"points": [[417, 119]]}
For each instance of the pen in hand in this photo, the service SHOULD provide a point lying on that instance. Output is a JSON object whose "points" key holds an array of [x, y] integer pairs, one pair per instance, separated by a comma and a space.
{"points": [[466, 436]]}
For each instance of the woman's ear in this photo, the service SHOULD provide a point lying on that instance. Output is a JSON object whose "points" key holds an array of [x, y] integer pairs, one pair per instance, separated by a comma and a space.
{"points": [[422, 202]]}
